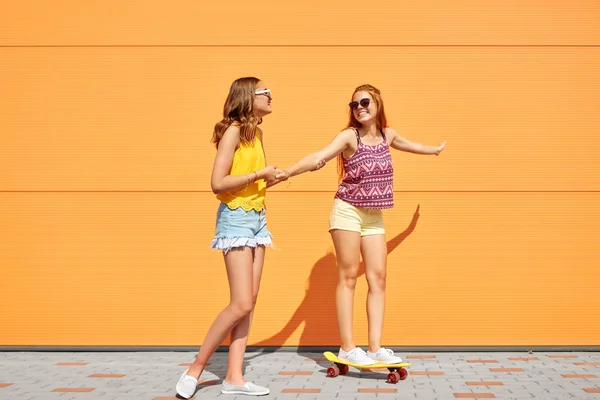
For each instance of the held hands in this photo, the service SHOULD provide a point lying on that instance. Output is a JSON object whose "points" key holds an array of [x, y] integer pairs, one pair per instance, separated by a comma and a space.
{"points": [[269, 173], [284, 174]]}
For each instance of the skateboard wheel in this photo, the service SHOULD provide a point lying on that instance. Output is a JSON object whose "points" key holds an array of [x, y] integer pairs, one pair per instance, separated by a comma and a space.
{"points": [[403, 374], [333, 371], [343, 369], [393, 377]]}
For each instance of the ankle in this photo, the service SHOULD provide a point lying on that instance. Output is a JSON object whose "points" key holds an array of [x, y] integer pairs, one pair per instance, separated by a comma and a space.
{"points": [[347, 349], [195, 371], [235, 380]]}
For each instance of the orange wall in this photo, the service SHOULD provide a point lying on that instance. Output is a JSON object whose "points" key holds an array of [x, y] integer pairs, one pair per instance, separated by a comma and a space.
{"points": [[106, 214]]}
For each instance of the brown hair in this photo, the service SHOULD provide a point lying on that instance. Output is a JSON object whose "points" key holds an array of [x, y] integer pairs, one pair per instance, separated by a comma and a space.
{"points": [[380, 123], [239, 109]]}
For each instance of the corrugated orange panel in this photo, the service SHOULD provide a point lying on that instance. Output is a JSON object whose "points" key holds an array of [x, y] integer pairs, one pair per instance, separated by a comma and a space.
{"points": [[310, 22], [141, 119], [112, 268], [135, 269]]}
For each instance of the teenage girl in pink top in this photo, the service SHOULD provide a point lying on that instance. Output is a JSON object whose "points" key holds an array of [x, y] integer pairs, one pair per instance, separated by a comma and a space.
{"points": [[356, 223]]}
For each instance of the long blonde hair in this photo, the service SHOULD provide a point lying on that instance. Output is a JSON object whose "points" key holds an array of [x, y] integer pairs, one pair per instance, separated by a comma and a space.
{"points": [[239, 109], [380, 123]]}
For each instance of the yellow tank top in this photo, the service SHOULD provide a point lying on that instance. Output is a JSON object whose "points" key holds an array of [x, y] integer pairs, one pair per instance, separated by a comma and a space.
{"points": [[248, 158]]}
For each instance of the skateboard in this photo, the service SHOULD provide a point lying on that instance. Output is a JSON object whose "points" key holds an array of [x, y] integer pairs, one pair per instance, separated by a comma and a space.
{"points": [[340, 367]]}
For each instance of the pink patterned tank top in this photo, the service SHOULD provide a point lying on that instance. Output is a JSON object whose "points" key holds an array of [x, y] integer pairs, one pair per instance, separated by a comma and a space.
{"points": [[368, 176]]}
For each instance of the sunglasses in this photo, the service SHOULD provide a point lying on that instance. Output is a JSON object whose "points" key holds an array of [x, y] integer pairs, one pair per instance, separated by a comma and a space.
{"points": [[266, 92], [363, 102]]}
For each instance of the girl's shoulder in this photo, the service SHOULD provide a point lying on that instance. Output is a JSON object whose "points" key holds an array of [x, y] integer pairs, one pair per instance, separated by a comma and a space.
{"points": [[231, 136], [390, 134], [348, 133], [232, 130]]}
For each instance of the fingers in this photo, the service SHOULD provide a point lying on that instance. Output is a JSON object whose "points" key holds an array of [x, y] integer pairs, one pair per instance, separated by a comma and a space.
{"points": [[440, 148], [282, 174]]}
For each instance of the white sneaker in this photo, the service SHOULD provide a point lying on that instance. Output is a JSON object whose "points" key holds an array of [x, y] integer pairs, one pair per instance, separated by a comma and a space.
{"points": [[384, 356], [249, 389], [186, 385], [355, 356]]}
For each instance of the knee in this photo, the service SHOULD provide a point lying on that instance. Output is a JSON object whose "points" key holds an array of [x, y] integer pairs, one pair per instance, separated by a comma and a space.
{"points": [[243, 307], [348, 282], [377, 281], [348, 277]]}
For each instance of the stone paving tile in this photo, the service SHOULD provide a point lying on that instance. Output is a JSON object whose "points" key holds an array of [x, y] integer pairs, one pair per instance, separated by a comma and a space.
{"points": [[152, 375]]}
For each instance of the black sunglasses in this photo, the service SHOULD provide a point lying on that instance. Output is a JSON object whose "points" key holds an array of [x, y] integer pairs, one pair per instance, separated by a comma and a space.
{"points": [[363, 102]]}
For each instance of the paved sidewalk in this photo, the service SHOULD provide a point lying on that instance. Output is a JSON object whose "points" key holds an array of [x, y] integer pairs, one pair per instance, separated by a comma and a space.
{"points": [[152, 376]]}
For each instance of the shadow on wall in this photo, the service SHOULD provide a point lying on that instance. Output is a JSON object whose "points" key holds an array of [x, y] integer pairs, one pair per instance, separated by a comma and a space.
{"points": [[317, 310]]}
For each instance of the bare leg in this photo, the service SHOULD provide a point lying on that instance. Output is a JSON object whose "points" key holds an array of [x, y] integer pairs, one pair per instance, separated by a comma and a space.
{"points": [[238, 262], [347, 245], [374, 252], [239, 334]]}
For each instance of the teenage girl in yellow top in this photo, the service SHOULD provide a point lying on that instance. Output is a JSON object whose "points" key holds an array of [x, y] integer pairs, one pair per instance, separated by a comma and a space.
{"points": [[239, 178]]}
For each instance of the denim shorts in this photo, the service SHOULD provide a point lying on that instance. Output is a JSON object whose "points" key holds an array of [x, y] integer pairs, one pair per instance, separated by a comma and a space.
{"points": [[240, 228]]}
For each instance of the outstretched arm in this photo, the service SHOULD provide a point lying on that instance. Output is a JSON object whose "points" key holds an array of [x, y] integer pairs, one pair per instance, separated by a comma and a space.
{"points": [[314, 160], [403, 144]]}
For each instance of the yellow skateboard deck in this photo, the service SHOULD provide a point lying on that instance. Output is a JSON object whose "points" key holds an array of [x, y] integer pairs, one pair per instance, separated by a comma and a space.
{"points": [[340, 367], [334, 359]]}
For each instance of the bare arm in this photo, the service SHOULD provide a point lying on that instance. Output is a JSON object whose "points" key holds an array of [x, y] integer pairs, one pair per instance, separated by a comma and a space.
{"points": [[220, 180], [399, 143], [315, 160]]}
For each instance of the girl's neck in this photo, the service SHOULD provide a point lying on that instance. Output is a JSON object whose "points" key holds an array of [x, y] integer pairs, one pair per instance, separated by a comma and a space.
{"points": [[369, 130]]}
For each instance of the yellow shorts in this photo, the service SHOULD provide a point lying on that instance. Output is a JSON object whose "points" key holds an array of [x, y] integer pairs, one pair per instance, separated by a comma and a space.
{"points": [[347, 217]]}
